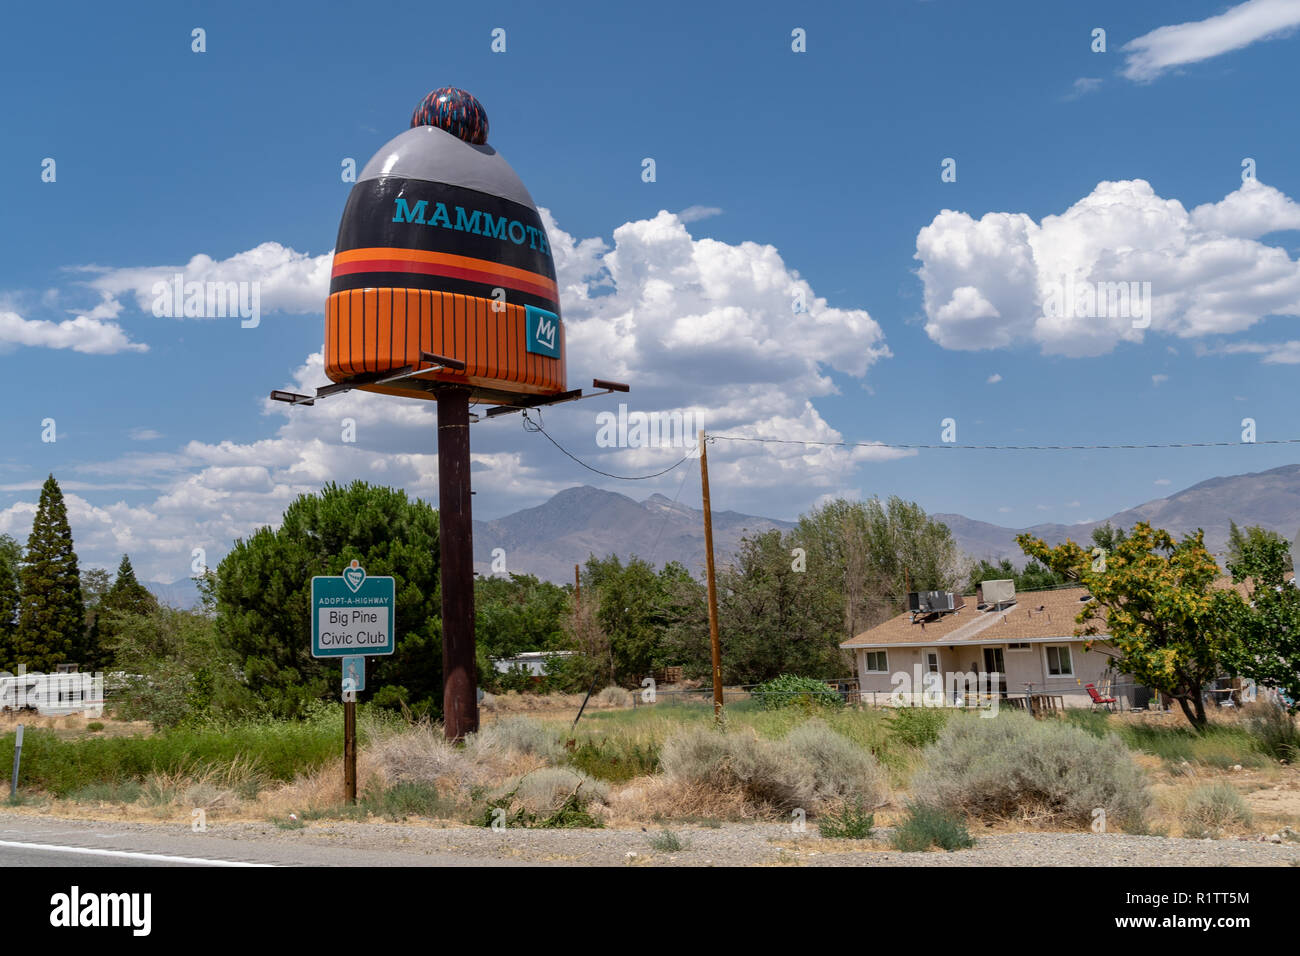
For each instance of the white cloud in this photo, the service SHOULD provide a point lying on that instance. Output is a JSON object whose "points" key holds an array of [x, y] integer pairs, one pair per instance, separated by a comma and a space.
{"points": [[692, 324], [1166, 47], [144, 434], [1083, 86], [1159, 379], [289, 281], [987, 282], [82, 334], [1273, 353], [994, 379], [1161, 481], [696, 213]]}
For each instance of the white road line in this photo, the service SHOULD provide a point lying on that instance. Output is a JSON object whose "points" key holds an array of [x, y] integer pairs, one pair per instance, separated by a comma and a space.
{"points": [[125, 854]]}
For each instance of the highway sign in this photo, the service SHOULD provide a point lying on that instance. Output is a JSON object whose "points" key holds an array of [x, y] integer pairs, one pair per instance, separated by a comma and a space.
{"points": [[352, 614], [354, 673]]}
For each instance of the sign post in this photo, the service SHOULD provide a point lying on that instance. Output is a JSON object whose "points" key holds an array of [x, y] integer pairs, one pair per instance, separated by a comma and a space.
{"points": [[352, 616]]}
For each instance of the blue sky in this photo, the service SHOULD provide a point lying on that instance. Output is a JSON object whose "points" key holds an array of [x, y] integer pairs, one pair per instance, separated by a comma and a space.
{"points": [[818, 169]]}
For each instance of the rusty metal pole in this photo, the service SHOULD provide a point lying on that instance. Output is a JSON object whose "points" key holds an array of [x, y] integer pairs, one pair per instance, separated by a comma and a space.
{"points": [[456, 548], [350, 751], [712, 583]]}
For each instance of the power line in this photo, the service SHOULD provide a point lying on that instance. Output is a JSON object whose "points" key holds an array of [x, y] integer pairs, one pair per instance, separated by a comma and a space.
{"points": [[532, 426], [949, 445]]}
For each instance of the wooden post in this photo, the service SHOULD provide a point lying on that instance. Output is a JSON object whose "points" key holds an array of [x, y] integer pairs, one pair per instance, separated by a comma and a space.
{"points": [[350, 750], [577, 586], [456, 550], [712, 583]]}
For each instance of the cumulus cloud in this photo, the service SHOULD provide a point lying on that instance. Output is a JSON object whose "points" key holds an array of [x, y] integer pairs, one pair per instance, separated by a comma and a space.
{"points": [[1171, 46], [288, 280], [83, 334], [694, 325], [988, 282]]}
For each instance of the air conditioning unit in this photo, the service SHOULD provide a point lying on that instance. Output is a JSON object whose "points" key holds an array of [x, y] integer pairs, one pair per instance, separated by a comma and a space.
{"points": [[998, 592], [929, 602]]}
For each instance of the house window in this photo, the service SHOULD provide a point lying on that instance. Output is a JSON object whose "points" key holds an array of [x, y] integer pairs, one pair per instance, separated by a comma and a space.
{"points": [[1018, 647], [877, 662], [1059, 663]]}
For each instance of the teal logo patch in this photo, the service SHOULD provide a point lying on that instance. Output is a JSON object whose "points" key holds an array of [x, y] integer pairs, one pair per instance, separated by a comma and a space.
{"points": [[543, 335]]}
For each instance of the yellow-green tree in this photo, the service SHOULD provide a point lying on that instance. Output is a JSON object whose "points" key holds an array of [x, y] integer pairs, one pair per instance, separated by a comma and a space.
{"points": [[1153, 598]]}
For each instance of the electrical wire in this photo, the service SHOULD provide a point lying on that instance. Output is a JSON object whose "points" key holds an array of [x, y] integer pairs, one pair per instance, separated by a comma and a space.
{"points": [[946, 445], [532, 426]]}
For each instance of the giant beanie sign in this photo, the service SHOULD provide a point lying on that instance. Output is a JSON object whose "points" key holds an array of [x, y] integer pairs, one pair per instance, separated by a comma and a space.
{"points": [[443, 288], [441, 251]]}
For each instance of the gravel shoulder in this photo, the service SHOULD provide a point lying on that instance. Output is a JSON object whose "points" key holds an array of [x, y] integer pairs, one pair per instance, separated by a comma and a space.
{"points": [[419, 843]]}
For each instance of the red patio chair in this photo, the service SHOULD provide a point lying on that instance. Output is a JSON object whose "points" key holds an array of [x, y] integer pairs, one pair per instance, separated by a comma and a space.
{"points": [[1097, 699]]}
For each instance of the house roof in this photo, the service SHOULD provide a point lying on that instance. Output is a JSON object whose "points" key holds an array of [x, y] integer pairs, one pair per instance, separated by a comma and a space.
{"points": [[1036, 616]]}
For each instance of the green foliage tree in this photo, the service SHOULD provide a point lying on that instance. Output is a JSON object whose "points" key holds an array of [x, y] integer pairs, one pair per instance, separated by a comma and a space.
{"points": [[1153, 598], [51, 617], [774, 619], [174, 667], [1257, 539], [872, 553], [10, 556], [1265, 626], [262, 595], [1032, 577], [125, 596], [512, 615]]}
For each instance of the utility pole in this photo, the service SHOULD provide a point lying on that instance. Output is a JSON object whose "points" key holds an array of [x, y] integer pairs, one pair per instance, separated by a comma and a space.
{"points": [[456, 551], [577, 587], [713, 586]]}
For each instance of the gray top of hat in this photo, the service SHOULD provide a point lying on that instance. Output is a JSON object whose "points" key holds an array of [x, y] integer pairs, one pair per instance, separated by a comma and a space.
{"points": [[426, 152]]}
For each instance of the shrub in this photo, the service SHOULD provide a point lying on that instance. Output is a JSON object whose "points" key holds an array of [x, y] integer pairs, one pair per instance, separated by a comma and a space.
{"points": [[791, 691], [1015, 765], [125, 791], [515, 735], [545, 790], [403, 800], [1275, 731], [616, 760], [851, 822], [1212, 808], [667, 842], [917, 726], [94, 726], [840, 769], [613, 696], [738, 761], [548, 798], [928, 826]]}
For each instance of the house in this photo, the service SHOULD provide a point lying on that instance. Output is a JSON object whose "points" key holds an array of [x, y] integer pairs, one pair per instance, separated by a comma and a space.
{"points": [[947, 646], [532, 663]]}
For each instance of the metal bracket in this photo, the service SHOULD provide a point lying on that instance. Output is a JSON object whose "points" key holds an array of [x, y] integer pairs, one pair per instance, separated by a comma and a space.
{"points": [[573, 396], [439, 362]]}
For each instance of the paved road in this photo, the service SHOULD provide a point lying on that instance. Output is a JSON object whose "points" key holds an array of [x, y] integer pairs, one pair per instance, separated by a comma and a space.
{"points": [[36, 841]]}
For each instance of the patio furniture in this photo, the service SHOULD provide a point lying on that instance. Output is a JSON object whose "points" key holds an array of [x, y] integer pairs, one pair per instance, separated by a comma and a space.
{"points": [[1097, 699]]}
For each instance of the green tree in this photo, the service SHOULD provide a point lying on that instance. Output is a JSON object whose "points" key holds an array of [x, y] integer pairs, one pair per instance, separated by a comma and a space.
{"points": [[1266, 625], [512, 615], [775, 619], [1032, 577], [125, 596], [1257, 539], [263, 595], [10, 556], [51, 617], [1154, 599], [872, 553], [175, 667]]}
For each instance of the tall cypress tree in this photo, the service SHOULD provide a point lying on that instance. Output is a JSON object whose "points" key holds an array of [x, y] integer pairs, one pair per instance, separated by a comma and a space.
{"points": [[9, 557], [51, 618], [126, 596]]}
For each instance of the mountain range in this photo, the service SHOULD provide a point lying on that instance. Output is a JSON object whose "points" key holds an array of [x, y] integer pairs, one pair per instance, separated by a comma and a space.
{"points": [[549, 539]]}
